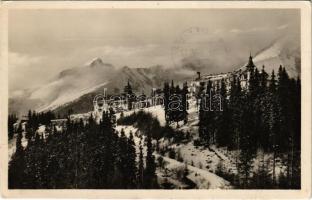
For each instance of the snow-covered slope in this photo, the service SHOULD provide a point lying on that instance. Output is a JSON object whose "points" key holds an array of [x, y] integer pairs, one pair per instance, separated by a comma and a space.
{"points": [[71, 84], [283, 51], [66, 87], [203, 179], [69, 97], [69, 87]]}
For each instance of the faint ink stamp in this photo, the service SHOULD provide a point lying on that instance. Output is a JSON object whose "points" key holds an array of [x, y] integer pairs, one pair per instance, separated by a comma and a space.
{"points": [[188, 45]]}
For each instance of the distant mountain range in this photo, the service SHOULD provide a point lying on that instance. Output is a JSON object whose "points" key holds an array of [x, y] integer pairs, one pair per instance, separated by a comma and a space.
{"points": [[75, 88], [81, 84]]}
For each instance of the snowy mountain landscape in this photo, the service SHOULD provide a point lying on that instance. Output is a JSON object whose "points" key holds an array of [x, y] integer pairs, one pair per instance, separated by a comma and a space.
{"points": [[79, 85], [170, 100]]}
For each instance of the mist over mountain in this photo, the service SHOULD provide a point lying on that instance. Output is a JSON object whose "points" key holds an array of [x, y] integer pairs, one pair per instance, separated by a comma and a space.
{"points": [[68, 85], [77, 86], [283, 52], [71, 84]]}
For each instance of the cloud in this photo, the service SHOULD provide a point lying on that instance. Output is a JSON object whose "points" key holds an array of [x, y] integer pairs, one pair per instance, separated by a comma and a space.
{"points": [[250, 30], [21, 70], [257, 29], [121, 55], [282, 26], [234, 30], [67, 39], [125, 51], [17, 60]]}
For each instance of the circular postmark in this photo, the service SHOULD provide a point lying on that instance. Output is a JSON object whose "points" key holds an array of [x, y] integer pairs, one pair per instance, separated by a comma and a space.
{"points": [[190, 44]]}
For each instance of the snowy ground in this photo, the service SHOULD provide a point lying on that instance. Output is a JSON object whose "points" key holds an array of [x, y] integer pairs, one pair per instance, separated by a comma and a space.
{"points": [[156, 111], [12, 145], [200, 162], [202, 178], [207, 159], [203, 158]]}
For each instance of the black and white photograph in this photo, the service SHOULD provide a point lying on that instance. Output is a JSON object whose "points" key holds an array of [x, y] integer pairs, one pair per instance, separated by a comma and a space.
{"points": [[165, 99]]}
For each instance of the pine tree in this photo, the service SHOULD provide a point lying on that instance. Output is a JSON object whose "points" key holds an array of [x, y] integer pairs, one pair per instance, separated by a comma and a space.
{"points": [[123, 159], [202, 129], [109, 146], [150, 180], [285, 136], [296, 172], [207, 116], [166, 102], [253, 98], [283, 98], [293, 149], [273, 121], [261, 104], [17, 165], [176, 109], [224, 130], [236, 102], [200, 93], [172, 87], [131, 165], [185, 102], [141, 167], [11, 121], [263, 79], [246, 145], [129, 95]]}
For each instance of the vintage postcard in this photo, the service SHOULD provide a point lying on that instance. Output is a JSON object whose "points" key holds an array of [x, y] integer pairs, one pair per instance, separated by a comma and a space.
{"points": [[155, 99]]}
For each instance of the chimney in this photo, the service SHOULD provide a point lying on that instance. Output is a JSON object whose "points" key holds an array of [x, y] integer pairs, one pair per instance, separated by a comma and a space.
{"points": [[105, 89], [198, 75]]}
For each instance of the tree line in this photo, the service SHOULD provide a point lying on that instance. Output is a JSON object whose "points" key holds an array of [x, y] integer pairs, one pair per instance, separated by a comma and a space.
{"points": [[85, 156], [12, 119], [34, 120], [175, 103], [264, 115]]}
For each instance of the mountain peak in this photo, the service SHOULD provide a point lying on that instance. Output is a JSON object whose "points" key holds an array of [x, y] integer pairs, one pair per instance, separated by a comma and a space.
{"points": [[98, 62], [95, 62]]}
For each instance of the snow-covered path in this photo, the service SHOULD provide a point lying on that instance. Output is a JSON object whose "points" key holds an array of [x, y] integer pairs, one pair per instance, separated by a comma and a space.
{"points": [[202, 178]]}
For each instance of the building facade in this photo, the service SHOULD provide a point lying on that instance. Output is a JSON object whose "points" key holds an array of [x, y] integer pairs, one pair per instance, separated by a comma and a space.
{"points": [[242, 75]]}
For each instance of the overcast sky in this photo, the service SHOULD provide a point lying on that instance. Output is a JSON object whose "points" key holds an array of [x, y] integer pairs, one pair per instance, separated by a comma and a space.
{"points": [[43, 43]]}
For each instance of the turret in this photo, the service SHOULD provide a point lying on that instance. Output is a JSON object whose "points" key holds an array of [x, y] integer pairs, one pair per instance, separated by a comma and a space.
{"points": [[250, 66]]}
